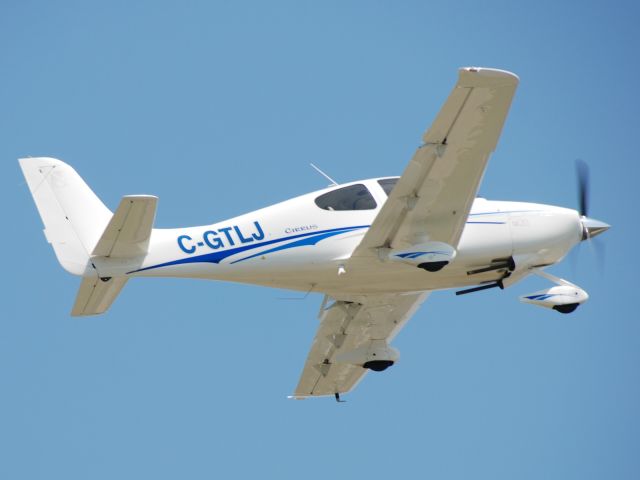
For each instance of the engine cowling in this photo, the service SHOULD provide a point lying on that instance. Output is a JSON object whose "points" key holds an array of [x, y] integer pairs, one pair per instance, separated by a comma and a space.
{"points": [[562, 298], [430, 256]]}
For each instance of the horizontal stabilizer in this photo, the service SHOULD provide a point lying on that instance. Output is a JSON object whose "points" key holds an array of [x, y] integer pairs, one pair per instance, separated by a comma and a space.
{"points": [[128, 232], [96, 295]]}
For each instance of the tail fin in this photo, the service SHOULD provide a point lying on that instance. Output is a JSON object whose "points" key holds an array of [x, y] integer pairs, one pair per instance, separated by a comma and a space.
{"points": [[85, 235], [73, 216], [76, 224]]}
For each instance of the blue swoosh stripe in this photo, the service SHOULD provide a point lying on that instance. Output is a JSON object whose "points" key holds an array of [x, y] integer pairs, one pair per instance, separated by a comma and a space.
{"points": [[217, 257], [311, 240], [543, 296], [505, 212], [418, 254]]}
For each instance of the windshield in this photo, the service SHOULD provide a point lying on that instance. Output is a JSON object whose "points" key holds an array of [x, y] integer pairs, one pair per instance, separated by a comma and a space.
{"points": [[387, 184], [353, 197]]}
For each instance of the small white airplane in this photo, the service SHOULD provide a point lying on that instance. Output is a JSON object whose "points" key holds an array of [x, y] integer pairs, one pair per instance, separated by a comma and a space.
{"points": [[376, 248]]}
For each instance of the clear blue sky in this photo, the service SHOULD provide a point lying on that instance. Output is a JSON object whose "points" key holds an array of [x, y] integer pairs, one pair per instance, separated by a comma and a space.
{"points": [[218, 108]]}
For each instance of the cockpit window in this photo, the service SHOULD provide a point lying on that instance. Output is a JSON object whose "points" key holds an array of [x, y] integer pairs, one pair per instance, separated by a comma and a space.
{"points": [[387, 184], [353, 197]]}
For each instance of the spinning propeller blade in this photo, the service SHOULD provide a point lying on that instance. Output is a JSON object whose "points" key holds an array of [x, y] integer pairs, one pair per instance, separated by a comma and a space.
{"points": [[582, 171], [590, 226]]}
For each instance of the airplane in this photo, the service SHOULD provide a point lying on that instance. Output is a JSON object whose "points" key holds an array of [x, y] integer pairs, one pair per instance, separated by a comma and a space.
{"points": [[375, 248]]}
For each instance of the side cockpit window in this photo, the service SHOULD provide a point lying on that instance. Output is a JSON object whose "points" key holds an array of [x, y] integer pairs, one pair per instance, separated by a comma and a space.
{"points": [[387, 184], [353, 197]]}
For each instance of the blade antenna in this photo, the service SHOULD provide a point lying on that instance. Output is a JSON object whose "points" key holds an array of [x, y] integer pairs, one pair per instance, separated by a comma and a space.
{"points": [[333, 182]]}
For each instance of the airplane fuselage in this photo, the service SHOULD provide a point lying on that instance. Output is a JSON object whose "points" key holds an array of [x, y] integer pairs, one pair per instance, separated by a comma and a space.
{"points": [[297, 245]]}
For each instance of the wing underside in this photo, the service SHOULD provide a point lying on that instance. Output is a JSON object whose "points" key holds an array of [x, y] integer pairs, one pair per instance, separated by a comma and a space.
{"points": [[432, 199], [346, 325]]}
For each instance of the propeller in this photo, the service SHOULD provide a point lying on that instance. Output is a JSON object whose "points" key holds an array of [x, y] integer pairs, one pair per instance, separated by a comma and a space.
{"points": [[590, 226], [582, 171]]}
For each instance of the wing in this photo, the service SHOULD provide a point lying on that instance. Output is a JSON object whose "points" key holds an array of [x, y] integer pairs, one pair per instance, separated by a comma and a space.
{"points": [[345, 327], [432, 199]]}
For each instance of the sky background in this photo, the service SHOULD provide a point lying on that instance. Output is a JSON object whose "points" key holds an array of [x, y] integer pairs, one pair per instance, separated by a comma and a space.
{"points": [[218, 108]]}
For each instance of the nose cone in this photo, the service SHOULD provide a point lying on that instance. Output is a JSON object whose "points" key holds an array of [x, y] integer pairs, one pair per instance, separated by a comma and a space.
{"points": [[592, 227]]}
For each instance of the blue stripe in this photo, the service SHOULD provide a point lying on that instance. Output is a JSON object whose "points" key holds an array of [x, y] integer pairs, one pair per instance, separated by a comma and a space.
{"points": [[499, 213], [311, 240], [543, 296], [419, 254], [217, 257], [410, 254]]}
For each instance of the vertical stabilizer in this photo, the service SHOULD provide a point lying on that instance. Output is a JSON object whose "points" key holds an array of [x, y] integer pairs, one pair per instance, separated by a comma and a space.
{"points": [[73, 216]]}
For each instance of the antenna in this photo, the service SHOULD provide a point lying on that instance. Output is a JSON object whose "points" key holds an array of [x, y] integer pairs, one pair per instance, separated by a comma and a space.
{"points": [[333, 182]]}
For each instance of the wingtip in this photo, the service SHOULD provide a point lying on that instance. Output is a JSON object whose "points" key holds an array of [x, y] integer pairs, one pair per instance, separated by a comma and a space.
{"points": [[483, 76]]}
